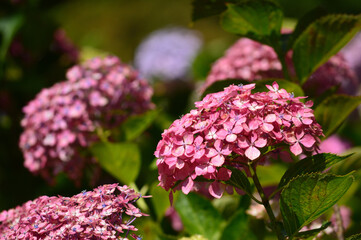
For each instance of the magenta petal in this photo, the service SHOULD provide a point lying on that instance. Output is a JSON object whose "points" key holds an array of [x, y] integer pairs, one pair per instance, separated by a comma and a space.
{"points": [[187, 185], [242, 142], [308, 141], [201, 170], [253, 124], [215, 190], [296, 149], [224, 174], [252, 153], [307, 121], [218, 160], [188, 138]]}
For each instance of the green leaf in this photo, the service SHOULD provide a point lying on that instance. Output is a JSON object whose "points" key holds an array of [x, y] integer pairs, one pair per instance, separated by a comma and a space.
{"points": [[321, 40], [315, 163], [239, 180], [160, 200], [207, 8], [8, 28], [260, 86], [353, 162], [331, 112], [355, 237], [304, 22], [122, 160], [258, 20], [270, 175], [313, 232], [199, 216], [307, 197], [136, 125], [237, 227]]}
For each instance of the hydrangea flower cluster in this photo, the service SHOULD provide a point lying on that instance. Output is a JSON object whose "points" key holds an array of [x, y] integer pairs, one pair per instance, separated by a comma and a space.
{"points": [[167, 53], [101, 93], [251, 60], [99, 214], [232, 128]]}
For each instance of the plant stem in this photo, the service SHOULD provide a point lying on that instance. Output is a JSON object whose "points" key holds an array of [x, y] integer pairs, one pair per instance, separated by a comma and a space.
{"points": [[266, 204], [339, 223]]}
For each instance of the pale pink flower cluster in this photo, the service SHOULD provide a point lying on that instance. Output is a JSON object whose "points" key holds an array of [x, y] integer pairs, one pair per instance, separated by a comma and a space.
{"points": [[101, 93], [230, 128], [250, 60], [107, 212]]}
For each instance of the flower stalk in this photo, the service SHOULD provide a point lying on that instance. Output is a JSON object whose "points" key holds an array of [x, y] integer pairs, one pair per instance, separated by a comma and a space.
{"points": [[265, 203]]}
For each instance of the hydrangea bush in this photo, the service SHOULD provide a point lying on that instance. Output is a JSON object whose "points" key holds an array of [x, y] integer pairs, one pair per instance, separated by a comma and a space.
{"points": [[107, 212], [263, 139], [63, 119]]}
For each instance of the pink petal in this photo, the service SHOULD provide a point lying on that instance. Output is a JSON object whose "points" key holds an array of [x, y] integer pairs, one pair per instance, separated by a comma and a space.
{"points": [[200, 153], [267, 127], [242, 142], [180, 163], [188, 138], [215, 190], [252, 153], [211, 152], [296, 149], [201, 170], [187, 185], [270, 118], [308, 141], [307, 121], [253, 124], [218, 160], [179, 151], [222, 134], [231, 138], [261, 142]]}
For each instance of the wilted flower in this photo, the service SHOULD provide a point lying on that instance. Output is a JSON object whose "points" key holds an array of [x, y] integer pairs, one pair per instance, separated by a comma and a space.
{"points": [[230, 128], [107, 212], [250, 60], [100, 94], [167, 54]]}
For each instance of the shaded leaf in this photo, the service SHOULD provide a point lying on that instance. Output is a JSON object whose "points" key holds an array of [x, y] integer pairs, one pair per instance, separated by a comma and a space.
{"points": [[199, 216], [237, 227], [239, 180], [308, 196], [321, 40], [207, 8], [355, 237], [260, 86], [311, 164], [122, 160], [270, 175], [258, 20], [313, 232], [136, 125], [353, 162], [331, 112], [8, 28]]}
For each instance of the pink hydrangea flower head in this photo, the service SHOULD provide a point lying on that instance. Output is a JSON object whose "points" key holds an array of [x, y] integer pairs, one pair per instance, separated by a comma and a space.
{"points": [[334, 144], [250, 60], [107, 212], [231, 128], [101, 93]]}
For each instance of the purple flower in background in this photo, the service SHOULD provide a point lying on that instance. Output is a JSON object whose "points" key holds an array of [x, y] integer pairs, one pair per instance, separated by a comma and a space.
{"points": [[334, 144], [231, 128], [107, 212], [352, 54], [250, 60], [167, 54], [101, 93]]}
